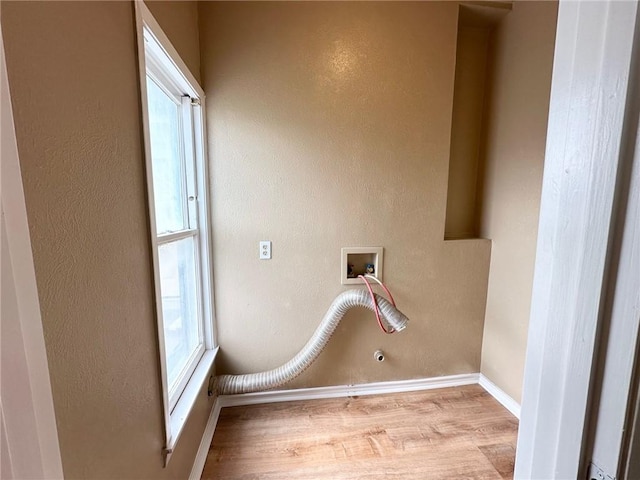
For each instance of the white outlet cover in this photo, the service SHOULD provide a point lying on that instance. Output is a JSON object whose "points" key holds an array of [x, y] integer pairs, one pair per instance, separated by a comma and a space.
{"points": [[265, 250]]}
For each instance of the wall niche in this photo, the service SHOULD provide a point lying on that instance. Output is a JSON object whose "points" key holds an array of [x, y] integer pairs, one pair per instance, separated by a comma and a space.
{"points": [[476, 22]]}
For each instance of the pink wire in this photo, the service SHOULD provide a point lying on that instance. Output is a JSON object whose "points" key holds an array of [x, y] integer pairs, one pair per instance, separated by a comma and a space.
{"points": [[393, 302], [375, 303]]}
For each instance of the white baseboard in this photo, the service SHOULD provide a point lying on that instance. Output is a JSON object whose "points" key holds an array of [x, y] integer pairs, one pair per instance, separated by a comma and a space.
{"points": [[349, 390], [342, 391], [499, 394], [205, 443]]}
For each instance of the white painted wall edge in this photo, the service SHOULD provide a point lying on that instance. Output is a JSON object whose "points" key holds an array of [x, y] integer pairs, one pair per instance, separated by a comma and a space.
{"points": [[340, 391], [500, 395]]}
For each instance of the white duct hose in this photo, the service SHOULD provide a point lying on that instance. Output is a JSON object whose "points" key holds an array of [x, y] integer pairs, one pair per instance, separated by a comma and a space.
{"points": [[255, 382]]}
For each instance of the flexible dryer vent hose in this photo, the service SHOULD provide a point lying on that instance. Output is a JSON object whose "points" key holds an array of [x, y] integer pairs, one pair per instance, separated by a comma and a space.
{"points": [[255, 382]]}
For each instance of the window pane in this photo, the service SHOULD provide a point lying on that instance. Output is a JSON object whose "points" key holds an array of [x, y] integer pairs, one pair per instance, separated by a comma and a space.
{"points": [[179, 305], [168, 185]]}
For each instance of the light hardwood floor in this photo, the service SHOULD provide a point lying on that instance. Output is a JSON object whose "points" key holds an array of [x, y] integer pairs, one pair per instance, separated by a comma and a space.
{"points": [[459, 432]]}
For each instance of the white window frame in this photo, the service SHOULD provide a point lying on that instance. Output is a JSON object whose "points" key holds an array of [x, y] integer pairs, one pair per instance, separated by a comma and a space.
{"points": [[158, 57]]}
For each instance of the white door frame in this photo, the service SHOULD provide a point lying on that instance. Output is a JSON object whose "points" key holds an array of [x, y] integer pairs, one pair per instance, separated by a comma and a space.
{"points": [[585, 155], [28, 433]]}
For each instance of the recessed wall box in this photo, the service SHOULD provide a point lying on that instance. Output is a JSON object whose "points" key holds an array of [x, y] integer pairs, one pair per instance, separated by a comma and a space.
{"points": [[358, 261]]}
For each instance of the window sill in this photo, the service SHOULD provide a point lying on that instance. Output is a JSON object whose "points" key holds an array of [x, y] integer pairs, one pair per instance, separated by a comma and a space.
{"points": [[188, 399]]}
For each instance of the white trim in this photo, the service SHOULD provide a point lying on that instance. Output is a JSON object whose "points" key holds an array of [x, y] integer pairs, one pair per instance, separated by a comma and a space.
{"points": [[340, 391], [140, 8], [500, 395], [617, 389], [204, 221], [589, 92], [205, 443]]}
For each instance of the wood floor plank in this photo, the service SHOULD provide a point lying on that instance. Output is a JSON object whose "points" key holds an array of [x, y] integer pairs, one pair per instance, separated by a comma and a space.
{"points": [[459, 432]]}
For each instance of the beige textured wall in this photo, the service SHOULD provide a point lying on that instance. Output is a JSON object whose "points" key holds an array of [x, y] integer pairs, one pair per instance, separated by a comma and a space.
{"points": [[329, 126], [466, 132], [179, 20], [74, 83], [516, 132]]}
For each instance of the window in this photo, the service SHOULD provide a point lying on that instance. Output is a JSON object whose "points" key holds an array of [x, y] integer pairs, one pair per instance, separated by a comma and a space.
{"points": [[177, 232], [173, 111]]}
